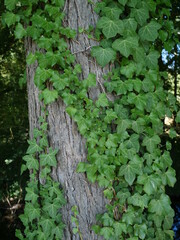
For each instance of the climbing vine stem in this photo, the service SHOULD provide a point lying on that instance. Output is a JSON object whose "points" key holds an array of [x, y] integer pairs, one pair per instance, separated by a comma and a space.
{"points": [[123, 136]]}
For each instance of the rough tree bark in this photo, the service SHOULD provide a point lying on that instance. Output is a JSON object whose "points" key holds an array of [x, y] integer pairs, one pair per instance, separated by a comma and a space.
{"points": [[63, 133]]}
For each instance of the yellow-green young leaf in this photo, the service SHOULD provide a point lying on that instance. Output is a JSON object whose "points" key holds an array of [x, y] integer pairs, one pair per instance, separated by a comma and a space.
{"points": [[110, 28], [103, 55], [49, 96]]}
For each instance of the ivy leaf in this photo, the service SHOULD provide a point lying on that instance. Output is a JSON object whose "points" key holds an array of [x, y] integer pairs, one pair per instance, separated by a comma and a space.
{"points": [[119, 228], [31, 58], [49, 96], [152, 59], [150, 31], [41, 76], [107, 232], [52, 208], [130, 24], [59, 82], [112, 12], [178, 117], [19, 32], [103, 55], [110, 115], [49, 158], [19, 235], [90, 81], [123, 2], [102, 101], [140, 14], [160, 206], [58, 231], [110, 27], [139, 55], [47, 225], [150, 183], [34, 213], [10, 18], [151, 142], [33, 147], [31, 162], [128, 172], [140, 230], [171, 177], [31, 195], [132, 3], [133, 142], [10, 4], [125, 46]]}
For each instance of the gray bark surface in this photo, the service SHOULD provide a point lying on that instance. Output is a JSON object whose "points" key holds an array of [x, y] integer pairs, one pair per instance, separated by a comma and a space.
{"points": [[63, 132]]}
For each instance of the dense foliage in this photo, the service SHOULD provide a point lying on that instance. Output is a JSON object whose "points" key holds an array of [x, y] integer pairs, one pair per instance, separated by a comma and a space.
{"points": [[125, 152], [13, 117]]}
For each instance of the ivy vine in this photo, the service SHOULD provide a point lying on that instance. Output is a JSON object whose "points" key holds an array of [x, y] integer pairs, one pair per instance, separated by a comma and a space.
{"points": [[123, 137]]}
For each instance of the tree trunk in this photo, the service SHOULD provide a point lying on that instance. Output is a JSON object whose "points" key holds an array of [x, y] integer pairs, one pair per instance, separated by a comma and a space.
{"points": [[63, 132]]}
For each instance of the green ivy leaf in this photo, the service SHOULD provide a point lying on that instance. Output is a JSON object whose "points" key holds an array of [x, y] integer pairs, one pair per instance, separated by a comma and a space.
{"points": [[33, 147], [125, 46], [140, 230], [47, 225], [31, 195], [171, 177], [112, 12], [103, 55], [10, 18], [102, 101], [31, 58], [49, 96], [10, 4], [129, 172], [160, 206], [49, 158], [123, 2], [150, 31], [130, 24], [140, 14], [41, 76], [19, 32], [107, 232], [52, 208], [90, 81], [150, 183], [31, 162], [110, 28], [152, 60], [151, 142]]}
